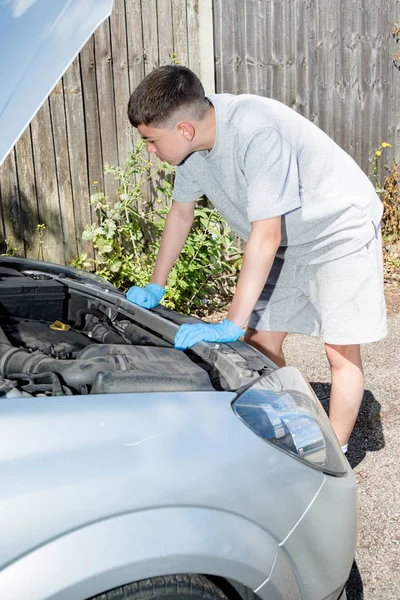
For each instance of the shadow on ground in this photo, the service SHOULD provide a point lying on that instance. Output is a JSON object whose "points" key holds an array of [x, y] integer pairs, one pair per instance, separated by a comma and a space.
{"points": [[354, 585], [367, 436]]}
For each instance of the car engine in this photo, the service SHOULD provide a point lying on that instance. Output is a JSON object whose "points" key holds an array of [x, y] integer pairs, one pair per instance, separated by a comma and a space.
{"points": [[55, 339]]}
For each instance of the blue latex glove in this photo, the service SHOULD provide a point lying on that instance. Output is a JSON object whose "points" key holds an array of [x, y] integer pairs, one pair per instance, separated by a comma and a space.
{"points": [[190, 334], [148, 297]]}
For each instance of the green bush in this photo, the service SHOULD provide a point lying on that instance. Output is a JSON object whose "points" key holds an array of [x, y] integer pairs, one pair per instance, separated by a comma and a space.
{"points": [[127, 237], [389, 193]]}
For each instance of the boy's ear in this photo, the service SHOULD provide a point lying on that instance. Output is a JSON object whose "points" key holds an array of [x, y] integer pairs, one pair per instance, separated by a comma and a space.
{"points": [[187, 130]]}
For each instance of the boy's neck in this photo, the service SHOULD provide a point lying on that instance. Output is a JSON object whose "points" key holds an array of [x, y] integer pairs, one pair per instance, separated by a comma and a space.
{"points": [[206, 130]]}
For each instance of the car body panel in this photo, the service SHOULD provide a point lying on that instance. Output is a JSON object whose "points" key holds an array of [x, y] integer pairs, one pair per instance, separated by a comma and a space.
{"points": [[307, 565], [320, 537], [140, 545], [281, 583], [69, 461], [40, 38], [311, 549]]}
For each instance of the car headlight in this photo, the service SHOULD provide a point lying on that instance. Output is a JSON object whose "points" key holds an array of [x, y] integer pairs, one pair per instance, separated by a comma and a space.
{"points": [[283, 410]]}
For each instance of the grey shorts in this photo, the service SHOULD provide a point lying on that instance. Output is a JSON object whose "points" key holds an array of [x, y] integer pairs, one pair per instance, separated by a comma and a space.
{"points": [[341, 300]]}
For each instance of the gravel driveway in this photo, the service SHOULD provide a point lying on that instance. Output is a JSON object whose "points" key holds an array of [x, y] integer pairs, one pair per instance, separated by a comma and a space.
{"points": [[374, 454]]}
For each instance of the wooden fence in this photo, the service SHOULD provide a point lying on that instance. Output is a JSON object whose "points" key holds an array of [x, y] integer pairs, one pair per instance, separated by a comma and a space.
{"points": [[331, 60], [48, 176]]}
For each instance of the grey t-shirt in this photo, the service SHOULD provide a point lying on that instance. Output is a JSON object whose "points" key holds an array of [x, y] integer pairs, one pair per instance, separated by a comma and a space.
{"points": [[268, 160]]}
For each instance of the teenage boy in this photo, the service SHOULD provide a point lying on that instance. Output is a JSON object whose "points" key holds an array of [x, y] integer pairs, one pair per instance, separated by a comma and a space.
{"points": [[310, 218]]}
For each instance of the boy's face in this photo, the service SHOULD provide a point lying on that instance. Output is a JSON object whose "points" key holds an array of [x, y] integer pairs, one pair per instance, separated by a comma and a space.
{"points": [[169, 145]]}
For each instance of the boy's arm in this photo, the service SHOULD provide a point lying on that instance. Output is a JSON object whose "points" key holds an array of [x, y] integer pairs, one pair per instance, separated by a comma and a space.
{"points": [[258, 257], [259, 254], [176, 230]]}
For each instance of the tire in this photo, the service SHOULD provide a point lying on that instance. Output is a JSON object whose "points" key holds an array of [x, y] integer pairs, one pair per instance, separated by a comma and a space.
{"points": [[169, 587]]}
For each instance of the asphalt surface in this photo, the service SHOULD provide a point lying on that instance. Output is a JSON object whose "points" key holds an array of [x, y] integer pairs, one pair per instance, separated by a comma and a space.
{"points": [[374, 454]]}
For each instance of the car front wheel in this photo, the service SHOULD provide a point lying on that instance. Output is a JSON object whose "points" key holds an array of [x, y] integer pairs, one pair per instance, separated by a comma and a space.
{"points": [[170, 587]]}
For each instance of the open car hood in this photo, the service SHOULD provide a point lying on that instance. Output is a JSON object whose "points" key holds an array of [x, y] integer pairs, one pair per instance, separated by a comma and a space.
{"points": [[39, 40]]}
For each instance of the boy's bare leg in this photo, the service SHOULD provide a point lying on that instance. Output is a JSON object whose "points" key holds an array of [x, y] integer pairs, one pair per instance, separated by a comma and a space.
{"points": [[346, 373], [347, 388], [269, 343]]}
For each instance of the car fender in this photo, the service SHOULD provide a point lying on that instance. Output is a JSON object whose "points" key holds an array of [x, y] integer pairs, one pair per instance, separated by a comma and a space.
{"points": [[134, 546]]}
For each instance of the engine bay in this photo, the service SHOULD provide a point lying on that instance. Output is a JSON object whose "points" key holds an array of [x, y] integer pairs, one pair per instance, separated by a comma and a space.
{"points": [[57, 337]]}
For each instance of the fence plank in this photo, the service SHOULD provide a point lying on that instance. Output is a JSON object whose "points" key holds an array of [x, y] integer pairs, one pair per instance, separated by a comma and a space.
{"points": [[105, 96], [241, 48], [149, 20], [392, 72], [384, 69], [365, 82], [354, 112], [264, 84], [396, 75], [164, 31], [219, 47], [394, 123], [179, 25], [121, 80], [277, 51], [302, 95], [91, 116], [57, 110], [135, 42], [227, 73], [27, 192], [376, 98], [77, 153], [322, 58], [150, 44], [334, 71], [343, 136], [47, 192], [192, 11], [312, 74], [12, 214], [289, 62], [254, 23]]}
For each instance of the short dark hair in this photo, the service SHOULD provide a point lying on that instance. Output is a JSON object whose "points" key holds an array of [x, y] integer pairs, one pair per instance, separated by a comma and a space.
{"points": [[164, 91]]}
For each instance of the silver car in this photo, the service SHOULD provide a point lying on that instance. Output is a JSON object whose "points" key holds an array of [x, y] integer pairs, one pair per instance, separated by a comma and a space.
{"points": [[131, 470]]}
